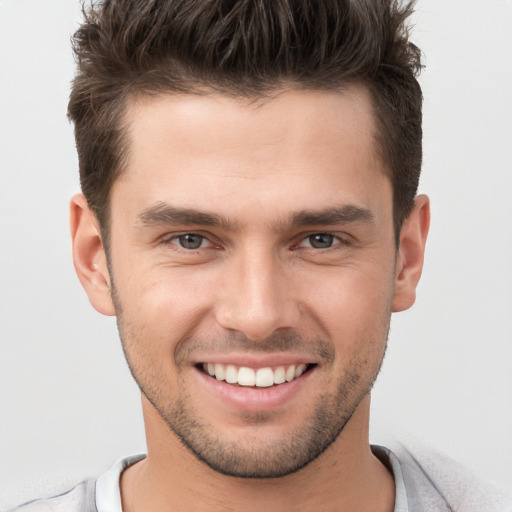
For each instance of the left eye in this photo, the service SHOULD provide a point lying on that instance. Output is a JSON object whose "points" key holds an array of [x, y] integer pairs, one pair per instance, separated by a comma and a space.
{"points": [[320, 241], [190, 241]]}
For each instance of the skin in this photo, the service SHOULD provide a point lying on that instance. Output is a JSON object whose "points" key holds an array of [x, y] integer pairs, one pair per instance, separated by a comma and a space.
{"points": [[256, 291]]}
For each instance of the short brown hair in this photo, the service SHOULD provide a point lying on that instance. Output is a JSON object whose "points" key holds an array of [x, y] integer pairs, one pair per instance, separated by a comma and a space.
{"points": [[247, 48]]}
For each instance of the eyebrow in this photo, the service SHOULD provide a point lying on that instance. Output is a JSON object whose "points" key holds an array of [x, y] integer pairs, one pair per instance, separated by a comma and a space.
{"points": [[163, 213], [347, 214]]}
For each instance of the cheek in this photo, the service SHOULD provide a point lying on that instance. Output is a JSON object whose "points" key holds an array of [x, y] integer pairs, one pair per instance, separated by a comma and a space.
{"points": [[159, 307], [354, 313], [351, 296]]}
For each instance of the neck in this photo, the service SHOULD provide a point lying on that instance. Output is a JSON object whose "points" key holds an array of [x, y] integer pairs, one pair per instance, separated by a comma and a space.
{"points": [[347, 476]]}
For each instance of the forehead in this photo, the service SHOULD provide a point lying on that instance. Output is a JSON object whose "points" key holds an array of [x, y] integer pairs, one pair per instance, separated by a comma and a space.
{"points": [[297, 147], [308, 116]]}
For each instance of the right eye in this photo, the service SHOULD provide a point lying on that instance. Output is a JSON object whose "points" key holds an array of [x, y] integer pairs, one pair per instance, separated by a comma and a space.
{"points": [[321, 240], [189, 241]]}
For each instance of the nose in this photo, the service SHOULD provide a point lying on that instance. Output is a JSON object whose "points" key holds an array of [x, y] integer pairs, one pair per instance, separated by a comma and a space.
{"points": [[257, 297]]}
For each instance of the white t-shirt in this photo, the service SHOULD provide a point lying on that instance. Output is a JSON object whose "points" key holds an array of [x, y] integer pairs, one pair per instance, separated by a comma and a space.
{"points": [[108, 495], [425, 481]]}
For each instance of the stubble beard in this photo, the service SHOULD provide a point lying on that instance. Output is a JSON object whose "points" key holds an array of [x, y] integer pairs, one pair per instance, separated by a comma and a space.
{"points": [[275, 458], [257, 458], [254, 458]]}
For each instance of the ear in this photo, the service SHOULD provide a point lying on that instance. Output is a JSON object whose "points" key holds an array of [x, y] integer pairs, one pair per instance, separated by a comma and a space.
{"points": [[409, 265], [89, 255]]}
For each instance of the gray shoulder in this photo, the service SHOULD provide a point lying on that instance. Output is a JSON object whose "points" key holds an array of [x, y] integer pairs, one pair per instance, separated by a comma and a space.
{"points": [[431, 476], [79, 499]]}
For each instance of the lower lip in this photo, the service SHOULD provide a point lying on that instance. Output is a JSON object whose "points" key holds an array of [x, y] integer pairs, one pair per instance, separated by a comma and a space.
{"points": [[253, 399]]}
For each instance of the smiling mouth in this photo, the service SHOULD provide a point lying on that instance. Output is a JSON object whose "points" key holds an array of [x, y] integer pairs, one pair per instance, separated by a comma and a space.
{"points": [[251, 377]]}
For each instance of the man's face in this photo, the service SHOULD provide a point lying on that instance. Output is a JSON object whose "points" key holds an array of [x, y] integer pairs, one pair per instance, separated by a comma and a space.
{"points": [[253, 236]]}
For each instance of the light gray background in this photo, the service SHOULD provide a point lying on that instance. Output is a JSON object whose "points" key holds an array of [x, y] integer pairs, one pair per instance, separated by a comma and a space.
{"points": [[68, 407]]}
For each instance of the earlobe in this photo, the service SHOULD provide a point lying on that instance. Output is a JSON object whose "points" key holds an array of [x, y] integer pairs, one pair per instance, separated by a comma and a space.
{"points": [[413, 237], [89, 256]]}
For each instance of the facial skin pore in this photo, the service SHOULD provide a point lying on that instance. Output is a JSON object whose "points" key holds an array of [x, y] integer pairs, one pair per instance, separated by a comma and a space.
{"points": [[255, 235]]}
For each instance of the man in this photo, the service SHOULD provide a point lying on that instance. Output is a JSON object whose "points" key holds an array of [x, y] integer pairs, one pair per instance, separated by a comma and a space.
{"points": [[249, 172]]}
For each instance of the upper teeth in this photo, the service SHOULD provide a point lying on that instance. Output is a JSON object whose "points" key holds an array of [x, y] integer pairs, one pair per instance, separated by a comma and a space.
{"points": [[261, 377]]}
